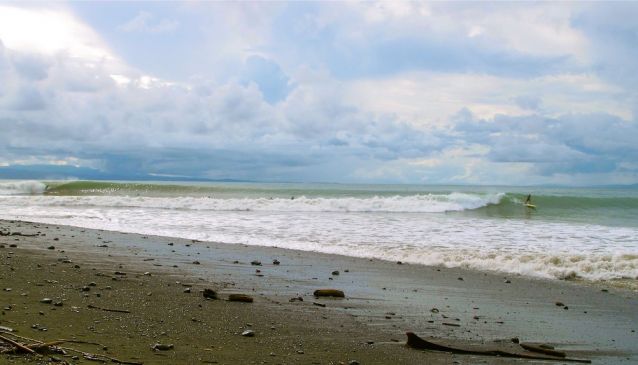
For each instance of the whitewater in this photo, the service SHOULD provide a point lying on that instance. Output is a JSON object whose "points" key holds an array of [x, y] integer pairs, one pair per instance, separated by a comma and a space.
{"points": [[575, 233]]}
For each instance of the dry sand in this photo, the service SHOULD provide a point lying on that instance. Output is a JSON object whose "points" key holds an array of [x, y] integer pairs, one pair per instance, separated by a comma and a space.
{"points": [[383, 301]]}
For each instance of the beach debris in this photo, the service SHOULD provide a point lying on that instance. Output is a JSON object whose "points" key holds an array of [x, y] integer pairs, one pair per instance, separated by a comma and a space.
{"points": [[240, 298], [18, 345], [434, 310], [275, 262], [162, 347], [336, 272], [51, 247], [329, 293], [210, 294], [319, 304], [255, 263], [6, 329], [187, 290], [196, 262], [248, 333], [500, 349], [543, 349], [297, 299], [32, 346], [451, 324], [353, 362], [46, 300], [91, 306], [560, 304]]}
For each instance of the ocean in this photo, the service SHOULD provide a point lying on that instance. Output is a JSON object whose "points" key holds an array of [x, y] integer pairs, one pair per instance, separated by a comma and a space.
{"points": [[574, 233]]}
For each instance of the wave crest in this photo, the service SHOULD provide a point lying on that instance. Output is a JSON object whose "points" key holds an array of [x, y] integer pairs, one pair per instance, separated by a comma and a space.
{"points": [[22, 187], [428, 203]]}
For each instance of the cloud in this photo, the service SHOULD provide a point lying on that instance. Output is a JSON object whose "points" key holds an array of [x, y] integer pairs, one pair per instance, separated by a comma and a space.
{"points": [[145, 22], [571, 143], [528, 102], [362, 92]]}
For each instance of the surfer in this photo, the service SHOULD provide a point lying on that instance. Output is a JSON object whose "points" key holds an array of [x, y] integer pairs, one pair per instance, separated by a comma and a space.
{"points": [[528, 202]]}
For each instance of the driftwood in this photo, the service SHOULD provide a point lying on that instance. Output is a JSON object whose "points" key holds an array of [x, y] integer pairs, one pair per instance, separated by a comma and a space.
{"points": [[18, 345], [513, 351], [108, 309], [40, 346], [543, 350]]}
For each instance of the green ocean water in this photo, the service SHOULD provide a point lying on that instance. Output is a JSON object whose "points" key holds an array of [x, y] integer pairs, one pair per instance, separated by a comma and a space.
{"points": [[617, 206]]}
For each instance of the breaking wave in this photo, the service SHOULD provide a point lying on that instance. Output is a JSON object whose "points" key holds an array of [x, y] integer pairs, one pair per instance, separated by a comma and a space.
{"points": [[429, 203], [22, 187]]}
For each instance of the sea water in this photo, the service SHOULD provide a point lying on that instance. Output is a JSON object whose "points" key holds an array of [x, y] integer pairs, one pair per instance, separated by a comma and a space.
{"points": [[588, 233]]}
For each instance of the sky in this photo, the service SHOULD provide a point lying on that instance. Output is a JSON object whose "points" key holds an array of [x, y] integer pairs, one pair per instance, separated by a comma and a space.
{"points": [[516, 93]]}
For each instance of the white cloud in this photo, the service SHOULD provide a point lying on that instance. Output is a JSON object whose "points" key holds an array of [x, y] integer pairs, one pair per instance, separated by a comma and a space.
{"points": [[426, 98], [146, 22], [50, 32]]}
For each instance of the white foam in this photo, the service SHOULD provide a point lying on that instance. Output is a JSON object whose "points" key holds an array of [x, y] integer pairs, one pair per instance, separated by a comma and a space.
{"points": [[360, 227], [430, 203], [21, 187]]}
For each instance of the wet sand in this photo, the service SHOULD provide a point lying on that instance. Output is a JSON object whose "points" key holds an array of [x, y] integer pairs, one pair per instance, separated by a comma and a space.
{"points": [[383, 301]]}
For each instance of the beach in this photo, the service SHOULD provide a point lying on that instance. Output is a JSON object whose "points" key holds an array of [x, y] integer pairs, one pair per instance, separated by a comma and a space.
{"points": [[159, 281]]}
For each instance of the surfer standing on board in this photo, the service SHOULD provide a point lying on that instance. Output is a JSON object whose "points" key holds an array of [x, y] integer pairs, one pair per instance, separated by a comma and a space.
{"points": [[528, 202]]}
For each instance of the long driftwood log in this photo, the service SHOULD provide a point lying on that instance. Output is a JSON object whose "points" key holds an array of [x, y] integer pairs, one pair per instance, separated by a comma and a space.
{"points": [[417, 342]]}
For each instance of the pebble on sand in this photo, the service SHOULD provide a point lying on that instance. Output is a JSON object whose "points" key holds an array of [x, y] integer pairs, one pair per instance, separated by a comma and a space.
{"points": [[329, 293], [162, 347], [210, 294], [248, 333], [240, 298]]}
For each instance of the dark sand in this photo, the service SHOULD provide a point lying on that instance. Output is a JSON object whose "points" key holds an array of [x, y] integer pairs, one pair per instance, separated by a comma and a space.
{"points": [[383, 301]]}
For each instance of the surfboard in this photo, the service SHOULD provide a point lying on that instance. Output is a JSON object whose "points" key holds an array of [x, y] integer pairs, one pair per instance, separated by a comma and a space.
{"points": [[530, 205]]}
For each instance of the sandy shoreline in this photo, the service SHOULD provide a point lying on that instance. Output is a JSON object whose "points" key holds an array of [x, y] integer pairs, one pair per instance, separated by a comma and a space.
{"points": [[383, 301]]}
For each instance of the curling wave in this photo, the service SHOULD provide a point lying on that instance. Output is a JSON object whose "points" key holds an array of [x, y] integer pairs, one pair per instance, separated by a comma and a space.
{"points": [[22, 187]]}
